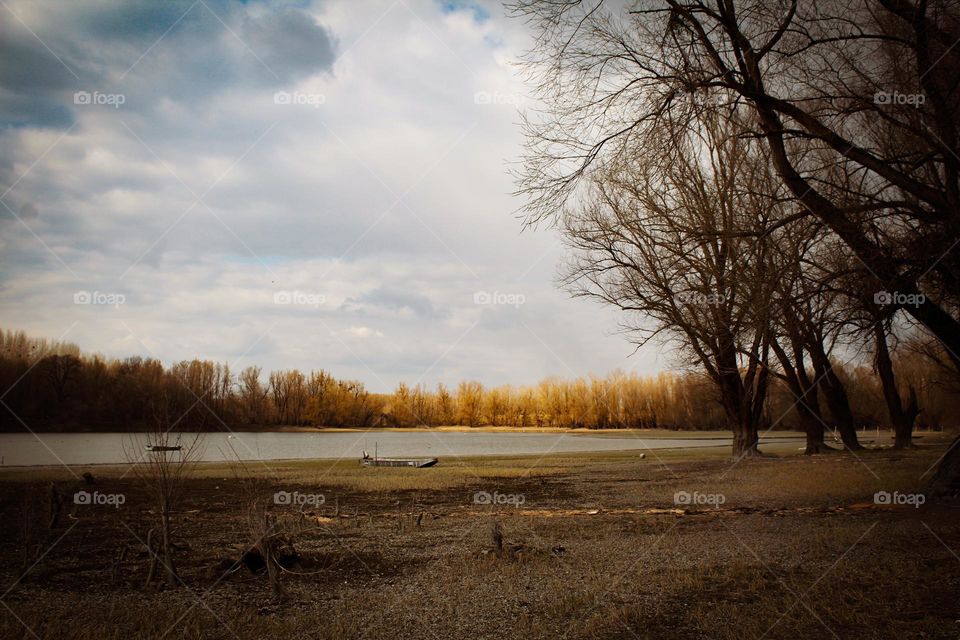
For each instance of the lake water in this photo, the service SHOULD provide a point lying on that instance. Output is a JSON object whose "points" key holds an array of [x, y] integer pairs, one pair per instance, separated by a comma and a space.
{"points": [[18, 449]]}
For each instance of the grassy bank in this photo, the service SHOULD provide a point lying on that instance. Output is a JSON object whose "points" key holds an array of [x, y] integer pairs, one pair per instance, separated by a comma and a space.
{"points": [[594, 546]]}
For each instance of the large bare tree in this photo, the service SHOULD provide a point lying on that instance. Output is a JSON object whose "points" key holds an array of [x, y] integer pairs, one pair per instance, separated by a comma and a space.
{"points": [[670, 235], [800, 309], [870, 88]]}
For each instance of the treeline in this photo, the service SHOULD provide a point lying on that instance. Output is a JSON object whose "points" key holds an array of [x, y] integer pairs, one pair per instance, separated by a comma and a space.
{"points": [[53, 386]]}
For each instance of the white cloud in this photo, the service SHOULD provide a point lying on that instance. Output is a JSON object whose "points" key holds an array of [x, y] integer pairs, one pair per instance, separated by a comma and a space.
{"points": [[390, 200], [364, 332]]}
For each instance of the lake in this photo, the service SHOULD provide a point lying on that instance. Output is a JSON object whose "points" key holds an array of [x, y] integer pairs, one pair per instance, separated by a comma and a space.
{"points": [[17, 449]]}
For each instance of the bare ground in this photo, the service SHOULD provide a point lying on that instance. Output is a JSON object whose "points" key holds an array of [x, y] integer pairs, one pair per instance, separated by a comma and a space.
{"points": [[597, 549]]}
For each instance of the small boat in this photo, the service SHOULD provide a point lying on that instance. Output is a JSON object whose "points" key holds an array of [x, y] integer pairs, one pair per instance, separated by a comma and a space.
{"points": [[418, 463], [376, 461], [160, 447]]}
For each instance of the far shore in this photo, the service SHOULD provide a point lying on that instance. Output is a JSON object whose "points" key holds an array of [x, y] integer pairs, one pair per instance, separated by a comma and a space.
{"points": [[666, 433], [656, 433]]}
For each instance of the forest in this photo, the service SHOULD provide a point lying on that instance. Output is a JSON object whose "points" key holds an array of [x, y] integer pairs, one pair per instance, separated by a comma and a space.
{"points": [[53, 386]]}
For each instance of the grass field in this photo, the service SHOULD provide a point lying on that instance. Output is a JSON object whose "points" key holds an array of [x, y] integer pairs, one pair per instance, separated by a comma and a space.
{"points": [[594, 546]]}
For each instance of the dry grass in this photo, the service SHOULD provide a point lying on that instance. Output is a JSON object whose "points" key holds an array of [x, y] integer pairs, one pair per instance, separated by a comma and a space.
{"points": [[789, 556]]}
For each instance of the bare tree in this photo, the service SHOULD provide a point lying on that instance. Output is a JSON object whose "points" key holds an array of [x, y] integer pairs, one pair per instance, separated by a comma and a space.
{"points": [[870, 323], [866, 86], [253, 395], [670, 235], [163, 462], [796, 296], [811, 320], [470, 403], [902, 414]]}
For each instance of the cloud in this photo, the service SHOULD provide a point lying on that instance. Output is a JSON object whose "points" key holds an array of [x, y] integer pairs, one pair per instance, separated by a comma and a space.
{"points": [[290, 41], [401, 301], [200, 197], [364, 332], [150, 52]]}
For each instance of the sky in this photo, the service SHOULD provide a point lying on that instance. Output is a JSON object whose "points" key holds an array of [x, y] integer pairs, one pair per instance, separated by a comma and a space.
{"points": [[293, 184]]}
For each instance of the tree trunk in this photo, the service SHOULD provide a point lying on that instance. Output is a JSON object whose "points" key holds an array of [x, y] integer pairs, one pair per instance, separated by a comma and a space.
{"points": [[941, 324], [815, 431], [835, 395], [806, 400], [171, 572], [745, 440], [807, 335], [152, 570], [739, 415], [810, 415], [742, 397], [901, 417]]}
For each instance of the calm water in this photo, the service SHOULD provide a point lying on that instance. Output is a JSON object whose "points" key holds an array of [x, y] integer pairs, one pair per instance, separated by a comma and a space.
{"points": [[111, 448]]}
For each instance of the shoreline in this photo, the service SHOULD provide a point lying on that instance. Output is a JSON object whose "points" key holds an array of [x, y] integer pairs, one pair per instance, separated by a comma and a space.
{"points": [[441, 429], [781, 447], [492, 457], [651, 433], [663, 434]]}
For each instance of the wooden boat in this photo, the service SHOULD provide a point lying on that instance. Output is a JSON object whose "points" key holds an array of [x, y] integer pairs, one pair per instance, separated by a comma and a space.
{"points": [[158, 447], [376, 461], [418, 463]]}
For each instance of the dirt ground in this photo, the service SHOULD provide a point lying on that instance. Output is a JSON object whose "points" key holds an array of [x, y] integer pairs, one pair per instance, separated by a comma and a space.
{"points": [[678, 544]]}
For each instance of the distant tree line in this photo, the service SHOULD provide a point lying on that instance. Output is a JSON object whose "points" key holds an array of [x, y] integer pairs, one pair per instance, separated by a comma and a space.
{"points": [[53, 386]]}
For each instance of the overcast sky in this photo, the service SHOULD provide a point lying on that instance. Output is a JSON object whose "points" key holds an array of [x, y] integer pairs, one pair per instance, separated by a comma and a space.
{"points": [[291, 184]]}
